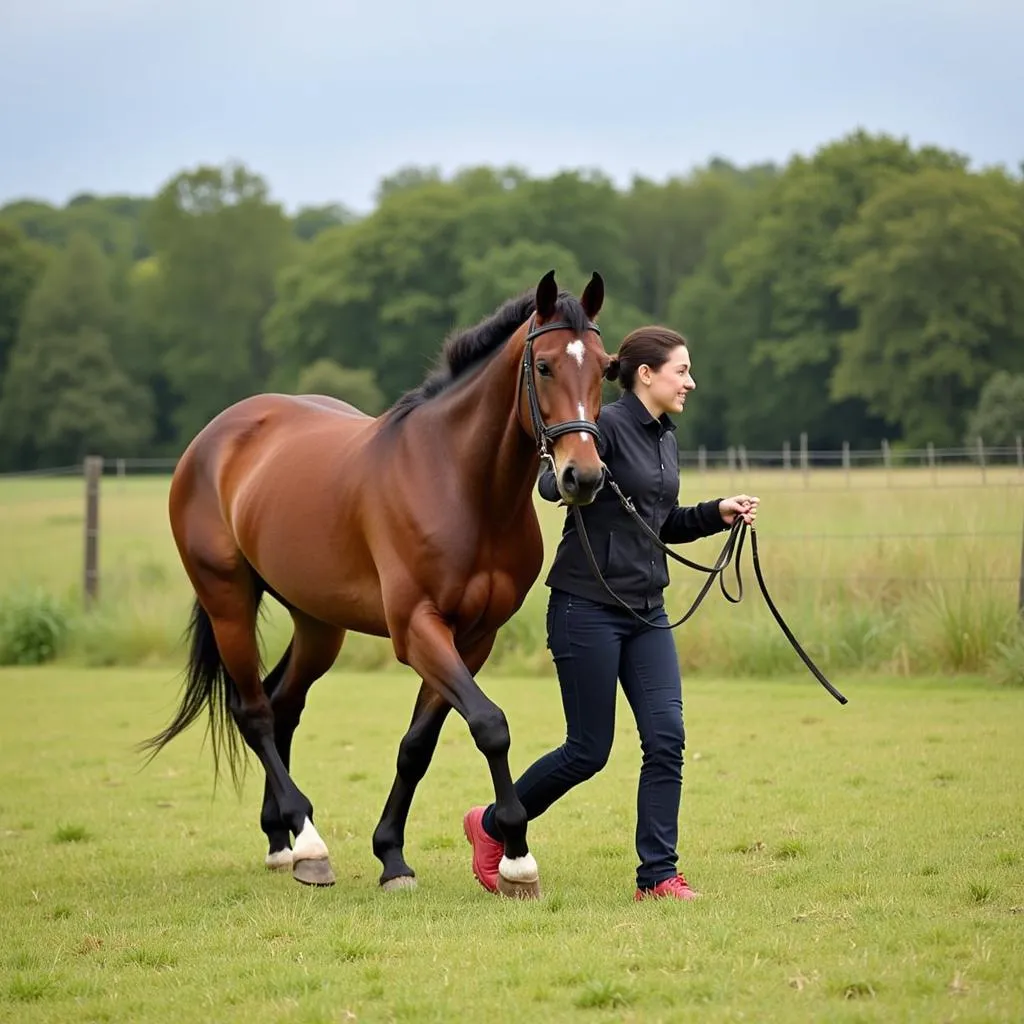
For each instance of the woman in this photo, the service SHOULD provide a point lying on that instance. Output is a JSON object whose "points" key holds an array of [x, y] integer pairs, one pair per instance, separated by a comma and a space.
{"points": [[595, 641]]}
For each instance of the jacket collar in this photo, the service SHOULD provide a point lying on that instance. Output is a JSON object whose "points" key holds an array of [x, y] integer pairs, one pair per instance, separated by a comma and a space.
{"points": [[643, 417]]}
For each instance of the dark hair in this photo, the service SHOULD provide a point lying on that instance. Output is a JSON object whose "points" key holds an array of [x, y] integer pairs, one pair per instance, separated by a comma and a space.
{"points": [[650, 345]]}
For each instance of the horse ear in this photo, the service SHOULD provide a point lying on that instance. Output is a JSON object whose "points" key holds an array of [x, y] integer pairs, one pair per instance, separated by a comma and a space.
{"points": [[593, 296], [547, 296]]}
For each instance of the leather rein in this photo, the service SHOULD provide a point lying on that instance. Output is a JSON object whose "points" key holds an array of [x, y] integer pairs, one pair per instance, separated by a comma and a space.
{"points": [[732, 549]]}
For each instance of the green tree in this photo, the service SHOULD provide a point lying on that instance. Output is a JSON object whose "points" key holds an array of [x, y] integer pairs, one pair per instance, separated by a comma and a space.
{"points": [[115, 223], [999, 416], [712, 320], [220, 244], [780, 275], [63, 395], [21, 265], [383, 293], [140, 346], [310, 221], [670, 227], [377, 294], [505, 271], [407, 179], [584, 214], [510, 270], [935, 267], [357, 387]]}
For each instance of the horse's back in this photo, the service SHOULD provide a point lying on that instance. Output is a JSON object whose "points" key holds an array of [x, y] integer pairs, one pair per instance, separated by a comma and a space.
{"points": [[271, 440], [334, 404], [265, 422], [281, 480]]}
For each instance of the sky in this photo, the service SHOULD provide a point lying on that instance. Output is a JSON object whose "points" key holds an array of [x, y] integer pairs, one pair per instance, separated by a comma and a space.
{"points": [[323, 98]]}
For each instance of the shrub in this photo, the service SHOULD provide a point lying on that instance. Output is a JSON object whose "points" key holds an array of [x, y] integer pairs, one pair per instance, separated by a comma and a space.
{"points": [[33, 628]]}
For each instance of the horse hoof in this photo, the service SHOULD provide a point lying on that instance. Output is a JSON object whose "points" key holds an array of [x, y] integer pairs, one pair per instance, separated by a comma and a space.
{"points": [[519, 890], [313, 872], [279, 860], [399, 883], [519, 878]]}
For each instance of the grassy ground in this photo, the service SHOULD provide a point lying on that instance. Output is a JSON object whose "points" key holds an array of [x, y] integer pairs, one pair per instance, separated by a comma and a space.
{"points": [[863, 863], [907, 572]]}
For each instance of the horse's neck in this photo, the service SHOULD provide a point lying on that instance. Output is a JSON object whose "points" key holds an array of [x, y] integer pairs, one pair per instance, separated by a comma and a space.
{"points": [[491, 452]]}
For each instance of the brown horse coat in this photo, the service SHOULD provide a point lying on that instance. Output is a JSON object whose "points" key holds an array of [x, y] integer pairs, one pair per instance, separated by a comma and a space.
{"points": [[418, 525]]}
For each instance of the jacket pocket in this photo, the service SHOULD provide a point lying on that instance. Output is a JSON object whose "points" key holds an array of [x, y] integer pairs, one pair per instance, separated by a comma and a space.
{"points": [[621, 563], [609, 553]]}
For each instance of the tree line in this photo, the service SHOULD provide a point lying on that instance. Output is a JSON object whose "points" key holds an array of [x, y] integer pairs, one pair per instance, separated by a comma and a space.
{"points": [[872, 290]]}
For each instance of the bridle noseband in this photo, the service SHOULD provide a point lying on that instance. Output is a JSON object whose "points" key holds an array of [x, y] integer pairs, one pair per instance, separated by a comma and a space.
{"points": [[543, 433]]}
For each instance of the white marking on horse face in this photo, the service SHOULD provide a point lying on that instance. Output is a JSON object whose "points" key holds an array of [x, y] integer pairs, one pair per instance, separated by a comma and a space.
{"points": [[575, 349], [583, 416]]}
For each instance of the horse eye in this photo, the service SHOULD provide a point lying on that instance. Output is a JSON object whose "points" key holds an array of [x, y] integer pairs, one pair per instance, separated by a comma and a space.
{"points": [[543, 369]]}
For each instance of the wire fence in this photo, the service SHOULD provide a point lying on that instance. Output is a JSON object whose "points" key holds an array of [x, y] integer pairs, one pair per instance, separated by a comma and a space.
{"points": [[970, 549], [929, 461], [882, 467]]}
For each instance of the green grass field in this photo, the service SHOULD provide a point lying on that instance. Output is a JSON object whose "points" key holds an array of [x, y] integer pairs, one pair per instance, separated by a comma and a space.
{"points": [[858, 863], [889, 574], [863, 863]]}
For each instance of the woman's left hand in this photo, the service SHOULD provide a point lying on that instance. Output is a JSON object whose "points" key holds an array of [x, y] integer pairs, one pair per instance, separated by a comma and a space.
{"points": [[739, 505]]}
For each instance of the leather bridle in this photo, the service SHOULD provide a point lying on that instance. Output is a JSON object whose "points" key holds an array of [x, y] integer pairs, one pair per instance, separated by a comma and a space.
{"points": [[544, 434]]}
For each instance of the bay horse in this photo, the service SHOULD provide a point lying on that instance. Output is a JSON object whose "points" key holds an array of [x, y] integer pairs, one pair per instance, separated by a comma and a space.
{"points": [[417, 525]]}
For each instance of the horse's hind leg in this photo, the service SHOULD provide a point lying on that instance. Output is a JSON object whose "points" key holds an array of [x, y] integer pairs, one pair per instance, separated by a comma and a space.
{"points": [[279, 852], [311, 653], [227, 592]]}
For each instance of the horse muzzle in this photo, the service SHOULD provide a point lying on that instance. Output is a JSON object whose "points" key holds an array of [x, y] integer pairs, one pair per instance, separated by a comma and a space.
{"points": [[579, 485]]}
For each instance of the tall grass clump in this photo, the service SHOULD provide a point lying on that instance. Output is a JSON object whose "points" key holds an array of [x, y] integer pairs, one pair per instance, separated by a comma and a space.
{"points": [[1009, 662], [34, 627], [887, 574]]}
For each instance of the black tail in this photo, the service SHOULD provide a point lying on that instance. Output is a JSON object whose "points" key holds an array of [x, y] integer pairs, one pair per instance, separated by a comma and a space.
{"points": [[207, 685]]}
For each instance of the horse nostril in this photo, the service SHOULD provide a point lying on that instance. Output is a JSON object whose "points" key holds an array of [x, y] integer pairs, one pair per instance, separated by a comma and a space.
{"points": [[570, 480]]}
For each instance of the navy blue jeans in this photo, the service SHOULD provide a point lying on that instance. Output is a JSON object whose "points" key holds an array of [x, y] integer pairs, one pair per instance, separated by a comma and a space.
{"points": [[594, 646]]}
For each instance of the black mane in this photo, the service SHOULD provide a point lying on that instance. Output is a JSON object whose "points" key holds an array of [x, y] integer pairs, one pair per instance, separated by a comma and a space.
{"points": [[466, 349]]}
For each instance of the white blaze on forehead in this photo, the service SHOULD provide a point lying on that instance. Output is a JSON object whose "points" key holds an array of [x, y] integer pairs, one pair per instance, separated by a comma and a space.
{"points": [[575, 349], [583, 416]]}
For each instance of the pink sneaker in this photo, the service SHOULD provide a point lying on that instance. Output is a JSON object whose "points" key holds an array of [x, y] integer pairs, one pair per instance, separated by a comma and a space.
{"points": [[673, 888], [487, 852]]}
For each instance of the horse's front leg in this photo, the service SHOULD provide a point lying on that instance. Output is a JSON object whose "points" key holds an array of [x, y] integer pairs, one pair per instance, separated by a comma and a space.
{"points": [[426, 643], [415, 753]]}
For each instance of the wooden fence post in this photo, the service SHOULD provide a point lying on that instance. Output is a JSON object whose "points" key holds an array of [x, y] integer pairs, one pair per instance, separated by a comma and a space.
{"points": [[1020, 585], [981, 458], [846, 461], [804, 462], [93, 468]]}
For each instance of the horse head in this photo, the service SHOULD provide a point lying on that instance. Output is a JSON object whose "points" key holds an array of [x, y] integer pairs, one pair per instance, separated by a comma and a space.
{"points": [[564, 363]]}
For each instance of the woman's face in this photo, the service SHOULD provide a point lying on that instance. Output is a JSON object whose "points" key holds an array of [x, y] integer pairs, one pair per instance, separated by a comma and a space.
{"points": [[666, 388]]}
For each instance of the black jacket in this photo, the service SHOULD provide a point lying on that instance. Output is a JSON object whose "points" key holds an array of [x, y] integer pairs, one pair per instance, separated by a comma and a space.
{"points": [[643, 457]]}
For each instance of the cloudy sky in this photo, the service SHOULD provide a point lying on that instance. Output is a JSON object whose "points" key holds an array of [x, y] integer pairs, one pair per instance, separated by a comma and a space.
{"points": [[324, 97]]}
